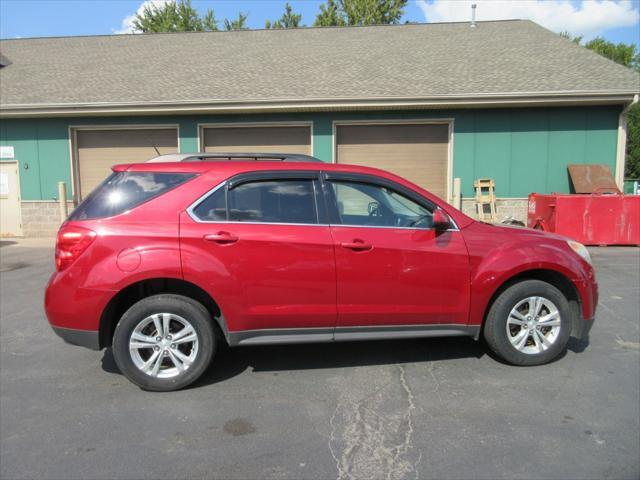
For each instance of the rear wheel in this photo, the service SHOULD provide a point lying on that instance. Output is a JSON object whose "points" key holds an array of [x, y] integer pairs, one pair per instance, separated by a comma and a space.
{"points": [[529, 323], [164, 342]]}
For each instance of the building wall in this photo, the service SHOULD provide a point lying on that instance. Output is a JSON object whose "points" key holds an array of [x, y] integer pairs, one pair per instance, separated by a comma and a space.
{"points": [[524, 150]]}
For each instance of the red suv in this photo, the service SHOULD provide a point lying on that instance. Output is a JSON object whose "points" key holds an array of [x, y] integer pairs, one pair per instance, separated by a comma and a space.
{"points": [[166, 259]]}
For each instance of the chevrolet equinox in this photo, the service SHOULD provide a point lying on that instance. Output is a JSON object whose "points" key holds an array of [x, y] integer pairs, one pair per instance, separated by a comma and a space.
{"points": [[167, 259]]}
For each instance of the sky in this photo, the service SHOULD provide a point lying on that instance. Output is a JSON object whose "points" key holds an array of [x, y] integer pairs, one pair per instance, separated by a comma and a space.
{"points": [[615, 20]]}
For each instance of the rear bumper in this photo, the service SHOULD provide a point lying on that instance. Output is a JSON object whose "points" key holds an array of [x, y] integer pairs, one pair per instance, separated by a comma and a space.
{"points": [[70, 308], [83, 338]]}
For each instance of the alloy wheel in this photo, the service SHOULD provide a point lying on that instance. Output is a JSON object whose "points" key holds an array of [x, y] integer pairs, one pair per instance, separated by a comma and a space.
{"points": [[533, 325], [163, 345]]}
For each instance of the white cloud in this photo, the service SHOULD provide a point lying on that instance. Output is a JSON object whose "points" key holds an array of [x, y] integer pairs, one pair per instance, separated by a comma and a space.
{"points": [[127, 22], [589, 18]]}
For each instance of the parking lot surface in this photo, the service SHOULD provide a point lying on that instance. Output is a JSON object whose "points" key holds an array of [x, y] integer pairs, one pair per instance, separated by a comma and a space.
{"points": [[433, 408]]}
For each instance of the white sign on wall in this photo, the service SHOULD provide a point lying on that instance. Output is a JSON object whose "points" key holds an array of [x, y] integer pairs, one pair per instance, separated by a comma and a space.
{"points": [[6, 152]]}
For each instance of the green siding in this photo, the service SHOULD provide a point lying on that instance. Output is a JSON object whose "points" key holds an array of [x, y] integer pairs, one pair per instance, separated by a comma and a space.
{"points": [[523, 150]]}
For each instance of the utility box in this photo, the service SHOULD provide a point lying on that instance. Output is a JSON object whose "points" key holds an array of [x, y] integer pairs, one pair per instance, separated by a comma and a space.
{"points": [[591, 219]]}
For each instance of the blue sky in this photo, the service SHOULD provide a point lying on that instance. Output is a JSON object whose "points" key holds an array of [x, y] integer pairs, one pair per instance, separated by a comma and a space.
{"points": [[616, 20]]}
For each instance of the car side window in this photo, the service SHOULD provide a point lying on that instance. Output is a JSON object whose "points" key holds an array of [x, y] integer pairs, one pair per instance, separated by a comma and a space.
{"points": [[214, 207], [268, 201], [363, 204]]}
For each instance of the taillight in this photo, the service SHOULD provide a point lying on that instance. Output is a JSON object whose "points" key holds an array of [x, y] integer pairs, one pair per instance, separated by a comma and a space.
{"points": [[72, 241]]}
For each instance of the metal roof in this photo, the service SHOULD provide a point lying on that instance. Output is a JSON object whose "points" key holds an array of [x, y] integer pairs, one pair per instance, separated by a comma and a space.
{"points": [[304, 69]]}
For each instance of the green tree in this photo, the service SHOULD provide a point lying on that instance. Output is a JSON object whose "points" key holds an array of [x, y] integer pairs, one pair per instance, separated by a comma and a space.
{"points": [[287, 20], [360, 12], [632, 168], [627, 55], [174, 17], [621, 53], [239, 23], [567, 35], [329, 16]]}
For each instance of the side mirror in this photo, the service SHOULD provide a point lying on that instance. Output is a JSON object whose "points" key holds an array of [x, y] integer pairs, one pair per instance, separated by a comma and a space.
{"points": [[441, 220]]}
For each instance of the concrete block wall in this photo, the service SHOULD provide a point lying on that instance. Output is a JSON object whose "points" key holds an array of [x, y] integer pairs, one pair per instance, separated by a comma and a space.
{"points": [[505, 207], [41, 219]]}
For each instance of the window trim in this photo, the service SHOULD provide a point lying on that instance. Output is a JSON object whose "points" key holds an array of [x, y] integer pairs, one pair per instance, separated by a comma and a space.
{"points": [[331, 201], [267, 176]]}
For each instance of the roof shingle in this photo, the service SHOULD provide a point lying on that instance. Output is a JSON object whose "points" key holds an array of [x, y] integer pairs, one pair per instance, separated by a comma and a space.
{"points": [[403, 61]]}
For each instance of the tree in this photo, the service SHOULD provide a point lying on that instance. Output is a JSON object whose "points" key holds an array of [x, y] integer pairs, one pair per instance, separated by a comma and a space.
{"points": [[360, 12], [632, 168], [287, 20], [621, 53], [239, 23], [567, 35], [329, 16], [174, 17], [627, 55]]}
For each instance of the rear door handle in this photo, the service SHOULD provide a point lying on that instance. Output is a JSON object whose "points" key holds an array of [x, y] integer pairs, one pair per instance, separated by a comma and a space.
{"points": [[222, 238], [357, 245]]}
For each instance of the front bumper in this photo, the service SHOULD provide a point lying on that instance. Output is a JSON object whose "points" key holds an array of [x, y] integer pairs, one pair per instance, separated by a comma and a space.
{"points": [[83, 338], [581, 328]]}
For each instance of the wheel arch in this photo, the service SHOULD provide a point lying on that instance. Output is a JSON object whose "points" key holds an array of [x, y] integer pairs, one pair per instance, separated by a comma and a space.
{"points": [[131, 294], [552, 277]]}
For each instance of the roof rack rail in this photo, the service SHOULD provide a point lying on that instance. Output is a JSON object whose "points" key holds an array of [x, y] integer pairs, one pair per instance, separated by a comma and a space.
{"points": [[234, 156]]}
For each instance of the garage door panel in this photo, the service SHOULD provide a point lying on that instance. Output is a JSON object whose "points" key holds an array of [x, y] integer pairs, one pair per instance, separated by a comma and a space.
{"points": [[276, 139], [418, 152], [99, 150]]}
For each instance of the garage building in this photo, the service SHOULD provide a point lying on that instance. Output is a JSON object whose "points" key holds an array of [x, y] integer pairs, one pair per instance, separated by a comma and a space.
{"points": [[506, 100]]}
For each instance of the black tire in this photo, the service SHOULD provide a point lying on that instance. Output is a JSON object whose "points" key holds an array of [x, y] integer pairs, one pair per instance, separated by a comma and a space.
{"points": [[195, 313], [495, 328]]}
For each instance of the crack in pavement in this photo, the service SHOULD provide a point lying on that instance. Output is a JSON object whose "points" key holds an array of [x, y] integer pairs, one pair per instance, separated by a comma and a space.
{"points": [[372, 431]]}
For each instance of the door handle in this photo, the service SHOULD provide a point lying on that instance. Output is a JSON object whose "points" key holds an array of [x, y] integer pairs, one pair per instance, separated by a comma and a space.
{"points": [[357, 245], [222, 238]]}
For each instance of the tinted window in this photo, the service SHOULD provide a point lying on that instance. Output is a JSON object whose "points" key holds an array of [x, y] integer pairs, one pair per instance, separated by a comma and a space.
{"points": [[377, 206], [123, 191], [281, 201], [214, 207]]}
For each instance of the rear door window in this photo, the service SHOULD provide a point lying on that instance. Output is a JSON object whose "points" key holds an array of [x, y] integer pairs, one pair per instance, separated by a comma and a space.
{"points": [[122, 191], [262, 201]]}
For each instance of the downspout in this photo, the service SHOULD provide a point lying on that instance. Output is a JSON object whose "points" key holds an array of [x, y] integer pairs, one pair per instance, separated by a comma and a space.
{"points": [[622, 143]]}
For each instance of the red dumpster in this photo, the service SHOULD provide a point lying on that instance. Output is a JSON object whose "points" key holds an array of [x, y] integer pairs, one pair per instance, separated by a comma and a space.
{"points": [[594, 219]]}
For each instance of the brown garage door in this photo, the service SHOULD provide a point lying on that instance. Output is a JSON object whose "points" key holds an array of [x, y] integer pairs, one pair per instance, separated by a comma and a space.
{"points": [[271, 139], [99, 150], [416, 152]]}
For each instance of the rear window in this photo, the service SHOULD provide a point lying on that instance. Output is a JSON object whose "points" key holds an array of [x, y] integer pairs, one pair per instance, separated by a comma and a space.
{"points": [[122, 191]]}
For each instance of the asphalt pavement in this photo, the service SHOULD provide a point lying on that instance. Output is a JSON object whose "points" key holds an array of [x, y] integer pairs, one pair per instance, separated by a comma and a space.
{"points": [[432, 408]]}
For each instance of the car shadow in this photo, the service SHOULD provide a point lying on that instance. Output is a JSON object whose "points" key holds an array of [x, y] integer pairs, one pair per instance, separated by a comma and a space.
{"points": [[231, 362]]}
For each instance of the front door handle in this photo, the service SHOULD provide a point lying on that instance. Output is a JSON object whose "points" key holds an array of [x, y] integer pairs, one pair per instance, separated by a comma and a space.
{"points": [[357, 245], [223, 238]]}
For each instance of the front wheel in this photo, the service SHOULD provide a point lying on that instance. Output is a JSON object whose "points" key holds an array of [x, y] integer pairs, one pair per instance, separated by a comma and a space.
{"points": [[529, 323], [164, 342]]}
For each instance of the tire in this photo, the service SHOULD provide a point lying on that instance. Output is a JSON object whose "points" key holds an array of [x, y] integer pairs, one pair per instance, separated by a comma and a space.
{"points": [[169, 361], [516, 335]]}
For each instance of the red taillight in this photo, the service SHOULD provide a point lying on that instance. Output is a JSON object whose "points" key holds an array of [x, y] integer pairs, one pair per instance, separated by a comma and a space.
{"points": [[72, 241]]}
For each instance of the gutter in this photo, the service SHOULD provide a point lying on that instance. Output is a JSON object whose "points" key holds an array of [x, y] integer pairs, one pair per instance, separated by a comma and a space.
{"points": [[315, 105], [621, 148]]}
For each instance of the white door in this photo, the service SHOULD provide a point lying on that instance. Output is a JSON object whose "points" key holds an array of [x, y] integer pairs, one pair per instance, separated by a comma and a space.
{"points": [[10, 214]]}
